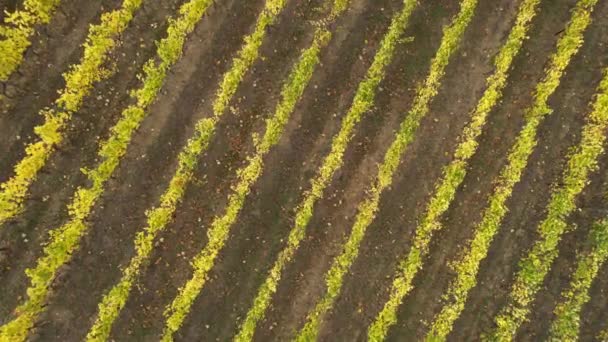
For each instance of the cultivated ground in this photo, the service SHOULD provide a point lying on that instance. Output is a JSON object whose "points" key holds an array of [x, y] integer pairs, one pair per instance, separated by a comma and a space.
{"points": [[268, 213]]}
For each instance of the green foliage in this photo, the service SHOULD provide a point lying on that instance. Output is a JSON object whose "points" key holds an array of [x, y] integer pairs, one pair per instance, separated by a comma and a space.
{"points": [[79, 81], [453, 174], [17, 29], [368, 208], [65, 239], [362, 102], [566, 324], [535, 266], [468, 266], [220, 227]]}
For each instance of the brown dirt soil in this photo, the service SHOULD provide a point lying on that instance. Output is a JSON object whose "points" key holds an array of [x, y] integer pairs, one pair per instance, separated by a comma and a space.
{"points": [[274, 196], [424, 302], [154, 147], [263, 225], [54, 187], [7, 6], [366, 288], [303, 281], [557, 134], [34, 85], [254, 100], [591, 208]]}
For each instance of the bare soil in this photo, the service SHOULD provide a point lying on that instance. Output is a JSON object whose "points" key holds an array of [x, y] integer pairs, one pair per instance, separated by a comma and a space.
{"points": [[263, 225], [55, 185], [34, 85]]}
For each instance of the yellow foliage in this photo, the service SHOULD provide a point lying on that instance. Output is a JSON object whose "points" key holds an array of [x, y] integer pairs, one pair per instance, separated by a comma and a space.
{"points": [[78, 82], [453, 174], [160, 216], [220, 227], [467, 268], [65, 239], [368, 208]]}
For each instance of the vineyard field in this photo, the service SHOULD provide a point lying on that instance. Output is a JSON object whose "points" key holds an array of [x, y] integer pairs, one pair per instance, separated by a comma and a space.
{"points": [[317, 170]]}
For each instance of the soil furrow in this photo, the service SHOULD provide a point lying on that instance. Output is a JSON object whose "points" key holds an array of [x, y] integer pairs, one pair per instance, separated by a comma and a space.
{"points": [[592, 207], [264, 219], [52, 190], [594, 317], [34, 85], [557, 135], [121, 211], [8, 6], [206, 197], [366, 289], [503, 123], [295, 297]]}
